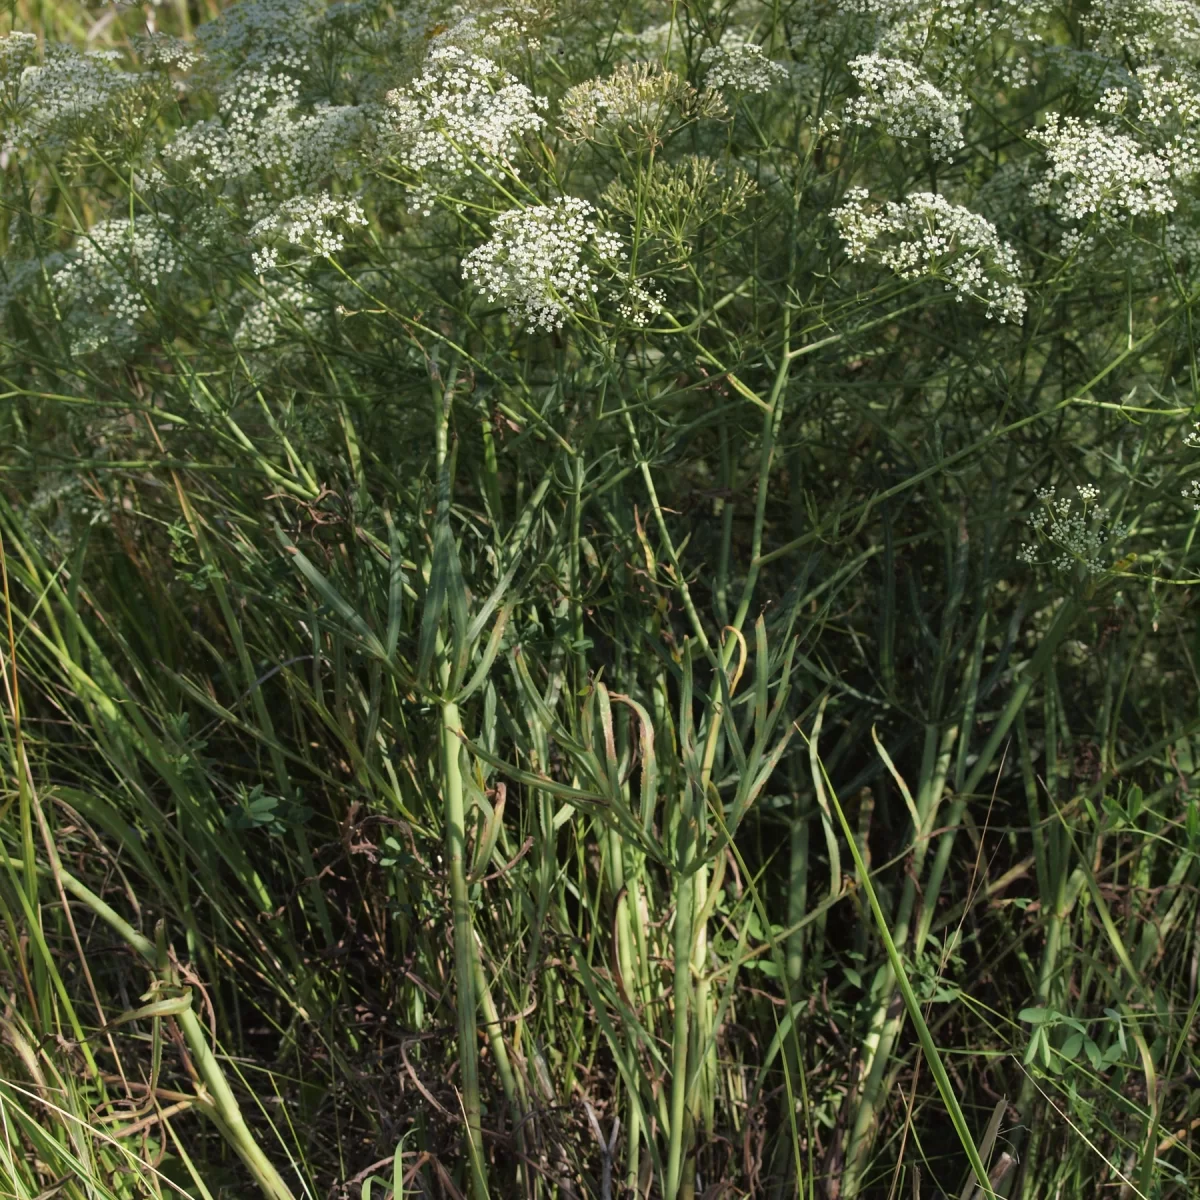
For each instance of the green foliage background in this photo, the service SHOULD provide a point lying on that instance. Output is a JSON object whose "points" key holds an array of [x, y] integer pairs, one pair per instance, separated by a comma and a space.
{"points": [[628, 759]]}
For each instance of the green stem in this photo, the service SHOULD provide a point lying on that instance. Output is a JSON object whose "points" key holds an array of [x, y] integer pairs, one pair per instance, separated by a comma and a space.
{"points": [[684, 910], [464, 950], [454, 818], [222, 1104]]}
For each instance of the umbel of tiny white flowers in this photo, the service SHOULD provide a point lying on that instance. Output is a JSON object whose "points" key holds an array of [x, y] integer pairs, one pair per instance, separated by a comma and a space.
{"points": [[739, 65], [260, 126], [1125, 163], [639, 303], [897, 97], [112, 268], [461, 119], [266, 320], [1076, 535], [535, 261], [304, 221], [927, 236], [67, 92], [1192, 491]]}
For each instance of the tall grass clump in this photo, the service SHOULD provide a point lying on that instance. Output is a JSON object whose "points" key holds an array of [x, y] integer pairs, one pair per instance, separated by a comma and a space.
{"points": [[597, 600]]}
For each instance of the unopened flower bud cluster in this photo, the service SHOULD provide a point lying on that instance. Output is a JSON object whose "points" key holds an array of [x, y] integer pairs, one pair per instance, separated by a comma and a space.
{"points": [[640, 98], [925, 236]]}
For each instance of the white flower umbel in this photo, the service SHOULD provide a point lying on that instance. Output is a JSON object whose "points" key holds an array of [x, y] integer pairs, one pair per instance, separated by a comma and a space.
{"points": [[309, 222], [112, 268], [163, 50], [16, 52], [740, 65], [491, 33], [1192, 491], [535, 262], [67, 94], [1140, 28], [255, 35], [462, 118], [926, 236], [897, 97], [285, 309], [948, 39], [261, 126], [639, 303], [1095, 171], [1077, 533]]}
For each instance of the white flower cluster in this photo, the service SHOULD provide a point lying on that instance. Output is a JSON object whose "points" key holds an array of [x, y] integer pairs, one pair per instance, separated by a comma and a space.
{"points": [[59, 504], [462, 114], [163, 50], [641, 98], [1098, 173], [947, 40], [16, 49], [260, 126], [1181, 238], [487, 33], [256, 35], [1126, 163], [639, 304], [927, 236], [113, 266], [265, 320], [1192, 491], [1077, 536], [740, 65], [1166, 106], [534, 261], [898, 97], [69, 91], [306, 221], [1139, 28]]}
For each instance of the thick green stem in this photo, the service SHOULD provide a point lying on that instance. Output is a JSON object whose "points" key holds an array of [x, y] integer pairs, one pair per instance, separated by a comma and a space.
{"points": [[684, 912], [454, 816], [455, 822]]}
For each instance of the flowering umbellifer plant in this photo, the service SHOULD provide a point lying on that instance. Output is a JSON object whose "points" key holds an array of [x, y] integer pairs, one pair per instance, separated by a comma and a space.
{"points": [[588, 401]]}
